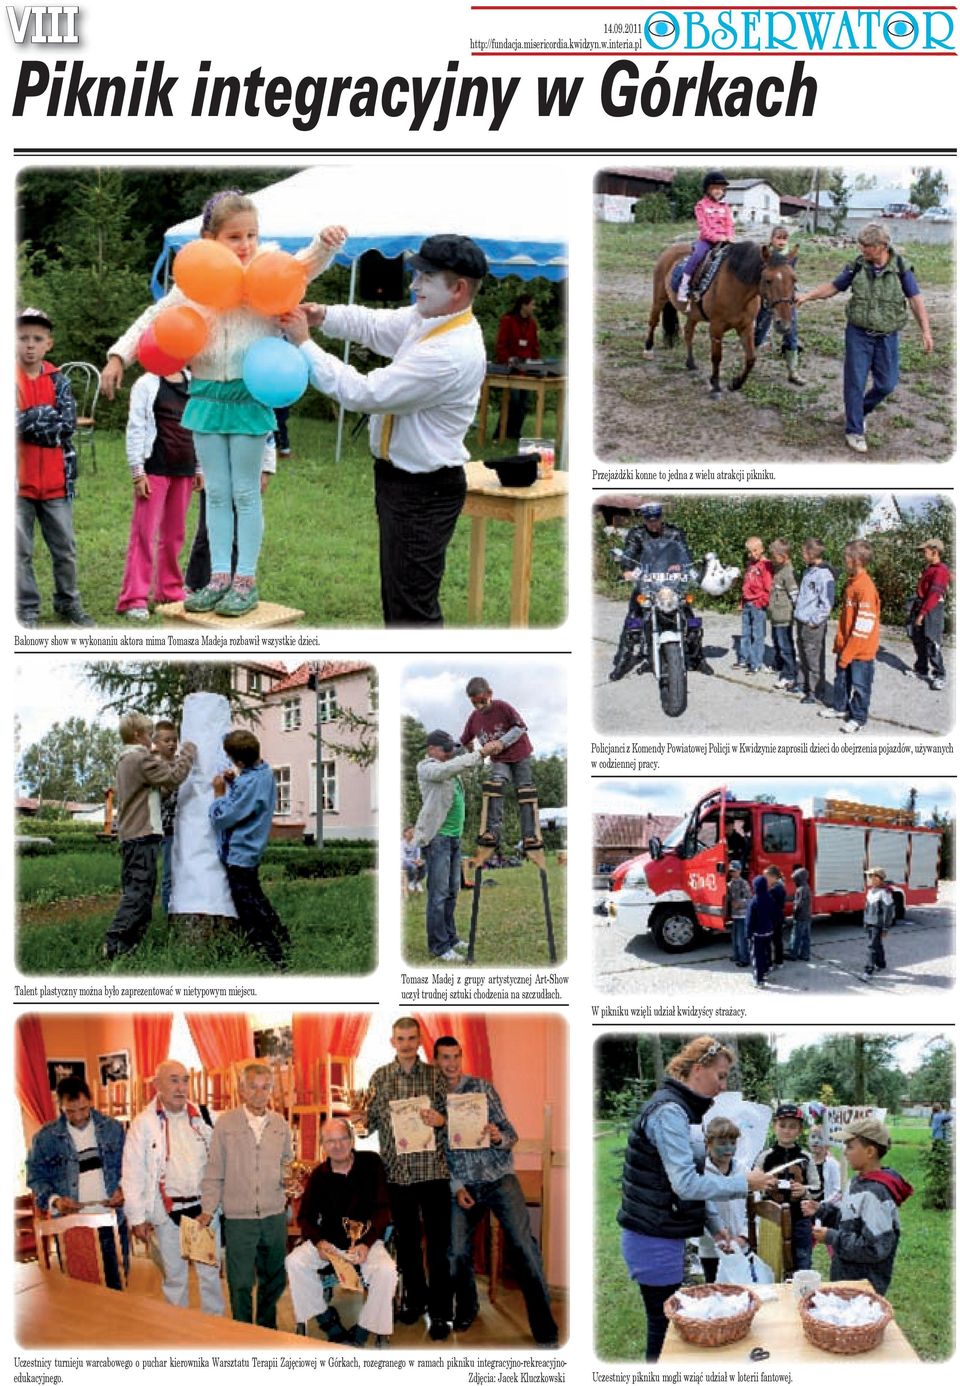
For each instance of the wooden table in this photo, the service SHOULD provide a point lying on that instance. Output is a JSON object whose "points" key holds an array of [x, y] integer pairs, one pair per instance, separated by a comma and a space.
{"points": [[532, 384], [776, 1327], [521, 506], [53, 1311]]}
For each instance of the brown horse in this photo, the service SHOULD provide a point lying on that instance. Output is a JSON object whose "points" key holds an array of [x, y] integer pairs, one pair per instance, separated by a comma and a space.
{"points": [[749, 276]]}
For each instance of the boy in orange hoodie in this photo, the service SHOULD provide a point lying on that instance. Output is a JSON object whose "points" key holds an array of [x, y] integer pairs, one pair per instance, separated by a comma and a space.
{"points": [[857, 641]]}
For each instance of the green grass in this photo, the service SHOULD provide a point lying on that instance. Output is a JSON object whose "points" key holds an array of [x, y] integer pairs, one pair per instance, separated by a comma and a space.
{"points": [[921, 1291], [320, 551], [511, 931], [68, 903]]}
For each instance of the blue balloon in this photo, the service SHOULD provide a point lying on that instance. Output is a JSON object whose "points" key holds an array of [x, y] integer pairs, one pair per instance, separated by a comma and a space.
{"points": [[275, 372]]}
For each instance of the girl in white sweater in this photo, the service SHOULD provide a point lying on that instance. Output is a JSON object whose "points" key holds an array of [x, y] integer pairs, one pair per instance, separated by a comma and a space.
{"points": [[229, 426]]}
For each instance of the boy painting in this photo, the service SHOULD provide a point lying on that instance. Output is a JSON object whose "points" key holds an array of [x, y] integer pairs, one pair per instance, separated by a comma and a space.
{"points": [[165, 744], [242, 814], [141, 774], [864, 1230], [857, 641], [46, 473]]}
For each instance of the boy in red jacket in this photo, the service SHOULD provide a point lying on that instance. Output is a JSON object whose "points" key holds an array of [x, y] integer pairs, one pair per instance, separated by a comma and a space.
{"points": [[857, 641], [46, 472], [926, 616]]}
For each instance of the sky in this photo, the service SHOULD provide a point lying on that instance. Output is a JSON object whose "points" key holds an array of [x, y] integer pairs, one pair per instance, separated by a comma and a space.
{"points": [[677, 797], [433, 691], [52, 693], [909, 1051]]}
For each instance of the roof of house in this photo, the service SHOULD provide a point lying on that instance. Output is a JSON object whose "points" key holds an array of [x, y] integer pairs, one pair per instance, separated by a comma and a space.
{"points": [[742, 184], [654, 175], [327, 670], [26, 805], [275, 668], [630, 829]]}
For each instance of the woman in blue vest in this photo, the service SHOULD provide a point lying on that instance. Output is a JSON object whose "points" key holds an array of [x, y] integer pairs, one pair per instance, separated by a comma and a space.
{"points": [[882, 288], [665, 1196]]}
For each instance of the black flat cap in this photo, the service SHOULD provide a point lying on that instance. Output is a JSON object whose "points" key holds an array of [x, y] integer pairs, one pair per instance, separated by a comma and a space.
{"points": [[458, 254]]}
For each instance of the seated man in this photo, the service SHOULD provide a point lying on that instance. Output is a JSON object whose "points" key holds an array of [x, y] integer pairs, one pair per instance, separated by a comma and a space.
{"points": [[481, 1179], [344, 1211]]}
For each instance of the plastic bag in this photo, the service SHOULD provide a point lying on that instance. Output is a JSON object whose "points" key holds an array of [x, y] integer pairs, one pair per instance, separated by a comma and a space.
{"points": [[743, 1268]]}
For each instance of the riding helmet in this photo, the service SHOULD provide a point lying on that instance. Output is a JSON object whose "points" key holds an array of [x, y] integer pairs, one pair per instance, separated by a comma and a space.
{"points": [[714, 177]]}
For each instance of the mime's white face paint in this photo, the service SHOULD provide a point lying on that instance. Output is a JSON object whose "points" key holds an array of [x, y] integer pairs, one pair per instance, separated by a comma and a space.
{"points": [[432, 294]]}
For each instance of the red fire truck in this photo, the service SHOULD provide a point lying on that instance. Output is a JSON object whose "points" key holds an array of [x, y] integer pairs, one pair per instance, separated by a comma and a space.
{"points": [[678, 888]]}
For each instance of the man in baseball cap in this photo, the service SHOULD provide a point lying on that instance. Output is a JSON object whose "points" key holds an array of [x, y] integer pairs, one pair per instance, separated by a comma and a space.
{"points": [[439, 828], [925, 623], [420, 408]]}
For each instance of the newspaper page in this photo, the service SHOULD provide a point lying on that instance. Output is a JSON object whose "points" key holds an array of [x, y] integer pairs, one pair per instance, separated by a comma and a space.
{"points": [[484, 502]]}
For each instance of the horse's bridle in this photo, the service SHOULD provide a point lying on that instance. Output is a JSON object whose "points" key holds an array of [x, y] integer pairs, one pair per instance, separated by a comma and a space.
{"points": [[771, 303]]}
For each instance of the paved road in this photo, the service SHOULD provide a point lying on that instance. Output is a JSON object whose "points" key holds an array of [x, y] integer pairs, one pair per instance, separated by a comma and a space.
{"points": [[920, 955], [734, 703]]}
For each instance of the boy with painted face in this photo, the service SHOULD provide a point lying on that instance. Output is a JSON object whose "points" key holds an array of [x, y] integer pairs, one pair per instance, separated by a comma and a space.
{"points": [[796, 1181]]}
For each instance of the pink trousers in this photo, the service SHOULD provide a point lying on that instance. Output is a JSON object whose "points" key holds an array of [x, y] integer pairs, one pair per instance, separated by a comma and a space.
{"points": [[159, 523]]}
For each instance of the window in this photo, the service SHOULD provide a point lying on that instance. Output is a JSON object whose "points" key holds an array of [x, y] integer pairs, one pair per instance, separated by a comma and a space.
{"points": [[779, 832], [254, 681], [281, 774], [291, 714], [326, 704], [331, 795]]}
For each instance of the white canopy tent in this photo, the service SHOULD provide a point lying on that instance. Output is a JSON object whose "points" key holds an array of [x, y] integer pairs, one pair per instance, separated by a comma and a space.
{"points": [[392, 206]]}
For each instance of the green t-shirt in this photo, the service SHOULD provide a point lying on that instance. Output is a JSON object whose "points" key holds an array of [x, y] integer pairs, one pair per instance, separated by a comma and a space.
{"points": [[452, 825]]}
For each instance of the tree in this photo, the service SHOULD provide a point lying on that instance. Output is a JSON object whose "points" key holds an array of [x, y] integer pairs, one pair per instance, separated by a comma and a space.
{"points": [[933, 1080], [928, 189], [948, 828], [864, 182], [413, 741], [839, 190], [75, 760], [161, 688], [361, 729]]}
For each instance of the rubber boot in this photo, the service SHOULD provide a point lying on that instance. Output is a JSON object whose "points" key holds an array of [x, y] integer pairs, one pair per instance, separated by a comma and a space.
{"points": [[793, 359], [683, 293]]}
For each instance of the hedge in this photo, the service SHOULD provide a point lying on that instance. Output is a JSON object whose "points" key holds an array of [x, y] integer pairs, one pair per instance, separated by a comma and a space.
{"points": [[721, 524]]}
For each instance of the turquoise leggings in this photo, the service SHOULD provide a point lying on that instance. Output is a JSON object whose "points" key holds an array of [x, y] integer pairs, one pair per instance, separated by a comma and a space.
{"points": [[231, 465]]}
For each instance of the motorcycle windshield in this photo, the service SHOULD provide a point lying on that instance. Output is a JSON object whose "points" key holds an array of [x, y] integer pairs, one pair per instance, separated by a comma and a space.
{"points": [[664, 559]]}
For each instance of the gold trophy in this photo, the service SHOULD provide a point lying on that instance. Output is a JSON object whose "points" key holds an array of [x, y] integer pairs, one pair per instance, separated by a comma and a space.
{"points": [[295, 1176], [354, 1230]]}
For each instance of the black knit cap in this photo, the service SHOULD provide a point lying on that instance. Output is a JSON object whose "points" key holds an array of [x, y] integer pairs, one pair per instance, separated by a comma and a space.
{"points": [[458, 254]]}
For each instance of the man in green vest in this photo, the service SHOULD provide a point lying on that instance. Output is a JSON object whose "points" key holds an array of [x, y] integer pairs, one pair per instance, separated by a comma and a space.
{"points": [[882, 287], [439, 828]]}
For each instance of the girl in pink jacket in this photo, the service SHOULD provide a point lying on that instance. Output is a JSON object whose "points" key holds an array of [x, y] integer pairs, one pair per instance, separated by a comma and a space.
{"points": [[714, 222]]}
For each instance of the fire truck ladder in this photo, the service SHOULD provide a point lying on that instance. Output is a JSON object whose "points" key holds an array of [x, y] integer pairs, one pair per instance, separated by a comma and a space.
{"points": [[526, 794]]}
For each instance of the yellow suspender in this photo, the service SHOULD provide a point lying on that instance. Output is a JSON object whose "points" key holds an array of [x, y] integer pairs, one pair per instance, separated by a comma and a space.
{"points": [[386, 426]]}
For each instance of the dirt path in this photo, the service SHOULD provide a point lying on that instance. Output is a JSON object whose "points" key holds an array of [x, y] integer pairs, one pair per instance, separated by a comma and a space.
{"points": [[655, 410]]}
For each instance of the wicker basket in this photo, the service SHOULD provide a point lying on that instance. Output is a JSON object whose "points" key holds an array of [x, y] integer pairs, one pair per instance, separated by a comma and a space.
{"points": [[712, 1332], [846, 1341]]}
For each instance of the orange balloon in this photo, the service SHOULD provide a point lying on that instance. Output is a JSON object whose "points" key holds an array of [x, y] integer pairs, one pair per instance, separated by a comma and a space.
{"points": [[180, 331], [209, 273], [274, 283]]}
